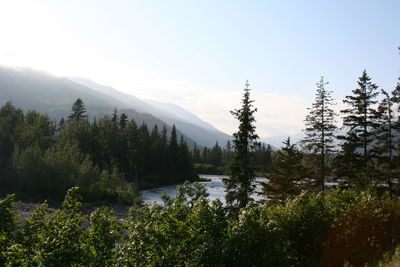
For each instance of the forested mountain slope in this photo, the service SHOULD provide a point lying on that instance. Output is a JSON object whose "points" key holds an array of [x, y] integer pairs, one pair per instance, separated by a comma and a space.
{"points": [[35, 90]]}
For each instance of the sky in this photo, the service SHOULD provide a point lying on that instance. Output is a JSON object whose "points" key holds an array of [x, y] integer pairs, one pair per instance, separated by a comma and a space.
{"points": [[198, 54]]}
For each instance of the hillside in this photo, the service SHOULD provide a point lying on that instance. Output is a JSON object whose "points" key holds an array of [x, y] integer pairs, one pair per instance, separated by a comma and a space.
{"points": [[36, 90], [190, 124]]}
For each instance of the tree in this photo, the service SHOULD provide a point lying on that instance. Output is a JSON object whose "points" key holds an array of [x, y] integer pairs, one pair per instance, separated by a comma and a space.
{"points": [[216, 155], [286, 179], [385, 145], [123, 120], [320, 128], [360, 120], [10, 118], [196, 154], [240, 183], [227, 155], [173, 149], [78, 111], [185, 161]]}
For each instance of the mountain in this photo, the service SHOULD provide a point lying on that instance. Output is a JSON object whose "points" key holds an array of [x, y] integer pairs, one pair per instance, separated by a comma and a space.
{"points": [[191, 125], [35, 90], [181, 113]]}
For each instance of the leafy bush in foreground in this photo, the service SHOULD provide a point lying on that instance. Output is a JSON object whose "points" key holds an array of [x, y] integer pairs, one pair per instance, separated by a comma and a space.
{"points": [[188, 230]]}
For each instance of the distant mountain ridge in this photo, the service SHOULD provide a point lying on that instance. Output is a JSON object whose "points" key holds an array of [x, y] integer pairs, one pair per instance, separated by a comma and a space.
{"points": [[190, 124], [35, 90], [181, 113]]}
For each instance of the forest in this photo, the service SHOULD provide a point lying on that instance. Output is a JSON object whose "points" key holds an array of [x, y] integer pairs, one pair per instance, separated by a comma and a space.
{"points": [[330, 200], [108, 159]]}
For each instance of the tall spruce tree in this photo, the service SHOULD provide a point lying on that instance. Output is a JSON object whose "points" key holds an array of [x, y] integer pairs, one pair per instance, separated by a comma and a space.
{"points": [[360, 120], [78, 111], [173, 154], [216, 155], [285, 181], [320, 129], [240, 183], [385, 146], [196, 154]]}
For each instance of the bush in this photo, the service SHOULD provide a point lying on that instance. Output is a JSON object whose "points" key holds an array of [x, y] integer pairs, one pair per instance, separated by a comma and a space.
{"points": [[391, 259], [101, 238], [188, 231], [368, 230], [254, 241], [7, 225]]}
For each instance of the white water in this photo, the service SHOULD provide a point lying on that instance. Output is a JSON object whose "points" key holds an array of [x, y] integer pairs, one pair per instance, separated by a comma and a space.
{"points": [[215, 188]]}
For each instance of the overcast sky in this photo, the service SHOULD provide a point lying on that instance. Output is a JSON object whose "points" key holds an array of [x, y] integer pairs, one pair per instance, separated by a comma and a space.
{"points": [[198, 54]]}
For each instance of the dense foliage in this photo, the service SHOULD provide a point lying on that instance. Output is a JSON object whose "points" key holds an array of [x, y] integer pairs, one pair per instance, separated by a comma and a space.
{"points": [[107, 158], [365, 154], [188, 230], [288, 178], [217, 159]]}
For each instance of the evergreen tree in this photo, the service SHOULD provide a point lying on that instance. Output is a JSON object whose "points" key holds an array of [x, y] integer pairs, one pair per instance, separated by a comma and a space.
{"points": [[143, 150], [115, 116], [286, 180], [163, 151], [123, 120], [35, 129], [216, 155], [173, 144], [205, 155], [320, 129], [196, 154], [267, 156], [155, 153], [10, 118], [132, 140], [173, 150], [227, 155], [360, 120], [78, 111], [61, 125], [240, 183], [185, 162], [385, 145]]}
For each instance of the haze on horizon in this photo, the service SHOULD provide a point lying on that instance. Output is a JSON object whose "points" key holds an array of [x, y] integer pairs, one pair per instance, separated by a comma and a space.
{"points": [[198, 54]]}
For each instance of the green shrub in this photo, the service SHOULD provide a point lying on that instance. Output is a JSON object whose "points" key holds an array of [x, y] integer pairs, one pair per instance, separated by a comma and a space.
{"points": [[188, 231], [101, 238], [367, 231], [7, 225]]}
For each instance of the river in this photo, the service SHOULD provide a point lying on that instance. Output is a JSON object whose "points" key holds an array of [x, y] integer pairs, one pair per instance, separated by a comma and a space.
{"points": [[215, 187]]}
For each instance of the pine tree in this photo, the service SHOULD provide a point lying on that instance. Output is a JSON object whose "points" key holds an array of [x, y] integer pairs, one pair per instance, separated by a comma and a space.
{"points": [[320, 129], [360, 120], [185, 162], [173, 144], [240, 183], [173, 150], [132, 143], [285, 181], [78, 111], [196, 154], [123, 120], [227, 156], [385, 147], [115, 116], [216, 155], [10, 118]]}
